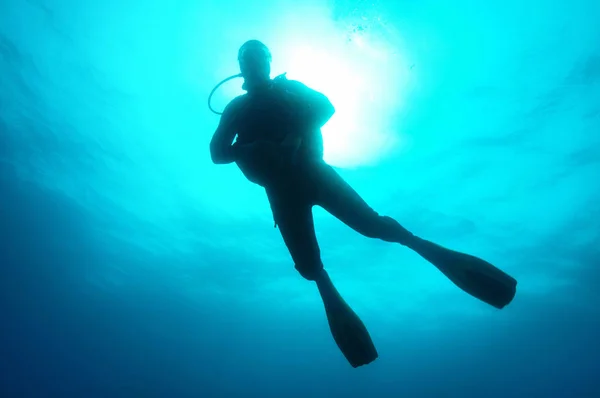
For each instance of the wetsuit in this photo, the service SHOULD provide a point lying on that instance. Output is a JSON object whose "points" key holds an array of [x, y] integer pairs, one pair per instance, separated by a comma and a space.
{"points": [[268, 116]]}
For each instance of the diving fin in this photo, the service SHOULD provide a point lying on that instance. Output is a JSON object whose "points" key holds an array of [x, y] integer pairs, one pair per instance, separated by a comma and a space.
{"points": [[472, 274], [349, 332]]}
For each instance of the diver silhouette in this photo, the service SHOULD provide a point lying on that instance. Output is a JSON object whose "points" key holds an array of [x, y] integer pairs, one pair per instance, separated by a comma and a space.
{"points": [[273, 134]]}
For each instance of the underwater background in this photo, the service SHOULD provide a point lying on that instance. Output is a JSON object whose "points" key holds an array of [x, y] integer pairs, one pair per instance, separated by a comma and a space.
{"points": [[131, 266]]}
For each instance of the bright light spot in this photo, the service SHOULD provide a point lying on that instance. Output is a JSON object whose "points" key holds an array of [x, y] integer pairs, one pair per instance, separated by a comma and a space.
{"points": [[343, 85], [359, 76], [360, 73]]}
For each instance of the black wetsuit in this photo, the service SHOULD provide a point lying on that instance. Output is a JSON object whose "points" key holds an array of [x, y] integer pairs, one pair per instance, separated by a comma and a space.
{"points": [[293, 190]]}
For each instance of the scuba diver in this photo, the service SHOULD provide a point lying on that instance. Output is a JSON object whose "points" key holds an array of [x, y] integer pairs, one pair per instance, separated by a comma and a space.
{"points": [[273, 134]]}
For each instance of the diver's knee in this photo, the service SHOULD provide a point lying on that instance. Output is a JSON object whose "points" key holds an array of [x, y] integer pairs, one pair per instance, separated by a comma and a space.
{"points": [[309, 271], [374, 228], [396, 232]]}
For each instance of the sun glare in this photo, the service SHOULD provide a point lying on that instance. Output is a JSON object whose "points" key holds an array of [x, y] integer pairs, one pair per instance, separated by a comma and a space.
{"points": [[357, 72]]}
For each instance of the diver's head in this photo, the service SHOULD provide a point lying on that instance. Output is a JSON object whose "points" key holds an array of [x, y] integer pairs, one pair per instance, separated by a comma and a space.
{"points": [[255, 62]]}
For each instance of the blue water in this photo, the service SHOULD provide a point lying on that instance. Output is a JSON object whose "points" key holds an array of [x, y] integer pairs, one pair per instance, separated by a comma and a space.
{"points": [[131, 266]]}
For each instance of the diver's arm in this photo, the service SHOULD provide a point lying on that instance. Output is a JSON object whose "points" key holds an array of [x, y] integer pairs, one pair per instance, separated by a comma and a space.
{"points": [[315, 109], [320, 107], [292, 140], [221, 149]]}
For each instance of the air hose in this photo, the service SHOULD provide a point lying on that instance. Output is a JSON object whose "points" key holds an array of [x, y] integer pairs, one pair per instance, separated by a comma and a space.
{"points": [[215, 89]]}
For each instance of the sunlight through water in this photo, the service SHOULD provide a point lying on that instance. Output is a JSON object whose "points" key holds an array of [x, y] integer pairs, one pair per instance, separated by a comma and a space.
{"points": [[360, 72]]}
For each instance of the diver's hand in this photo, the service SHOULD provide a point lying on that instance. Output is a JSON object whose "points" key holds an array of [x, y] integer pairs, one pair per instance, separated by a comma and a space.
{"points": [[255, 150], [263, 154], [268, 153], [291, 146], [242, 151]]}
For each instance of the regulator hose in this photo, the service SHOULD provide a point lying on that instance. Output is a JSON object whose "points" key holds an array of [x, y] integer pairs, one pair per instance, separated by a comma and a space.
{"points": [[215, 89]]}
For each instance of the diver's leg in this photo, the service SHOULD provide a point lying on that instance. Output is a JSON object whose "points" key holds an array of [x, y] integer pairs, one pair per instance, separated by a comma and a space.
{"points": [[472, 274], [293, 215], [337, 197], [294, 218]]}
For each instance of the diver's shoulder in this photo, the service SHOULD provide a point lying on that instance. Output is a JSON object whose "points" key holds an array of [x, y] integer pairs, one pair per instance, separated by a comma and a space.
{"points": [[294, 85], [239, 99], [236, 103], [282, 80]]}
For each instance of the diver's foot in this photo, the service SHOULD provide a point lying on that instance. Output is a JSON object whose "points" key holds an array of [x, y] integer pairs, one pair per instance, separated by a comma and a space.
{"points": [[348, 331]]}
